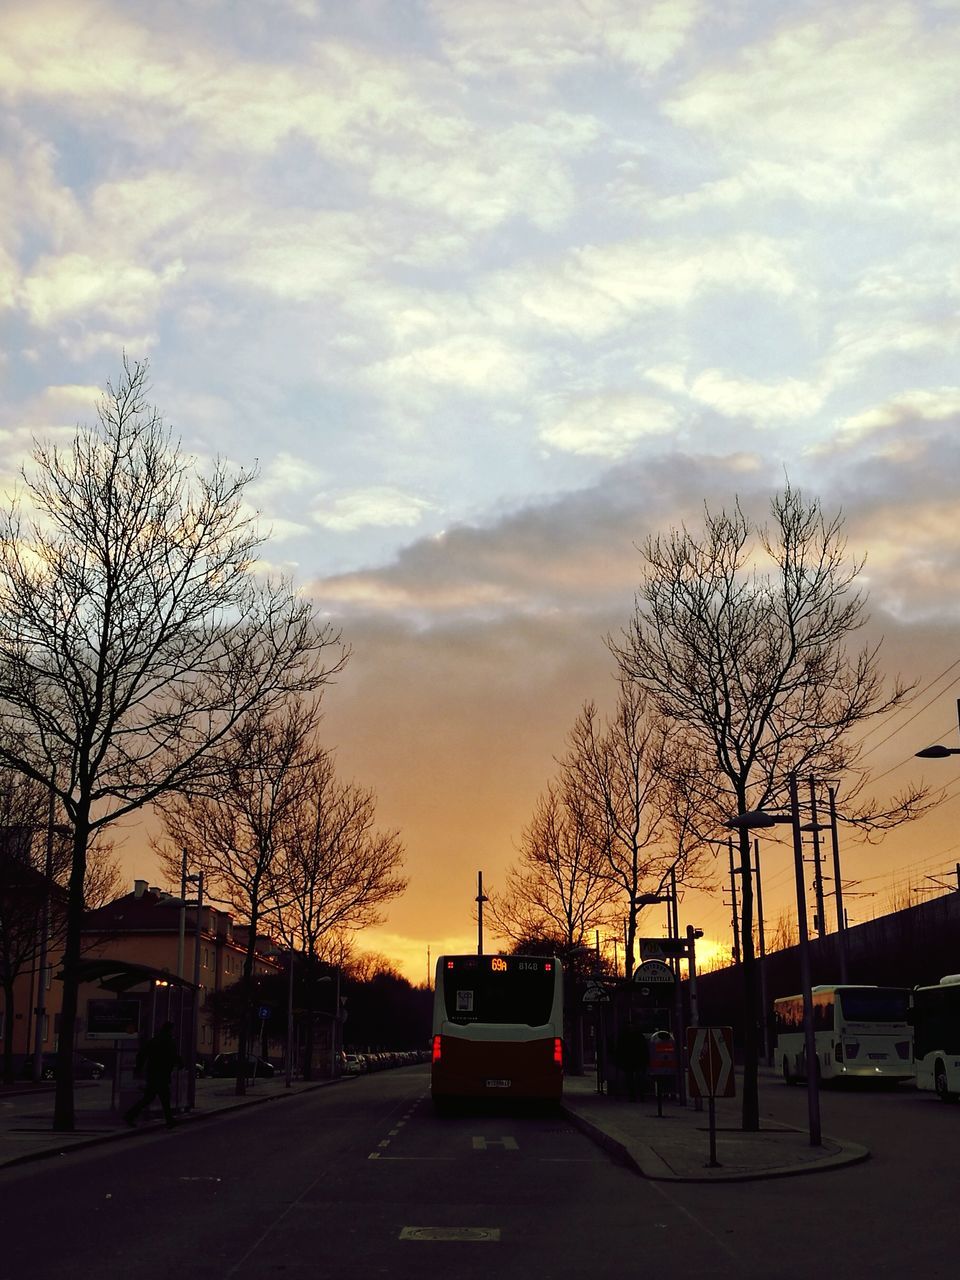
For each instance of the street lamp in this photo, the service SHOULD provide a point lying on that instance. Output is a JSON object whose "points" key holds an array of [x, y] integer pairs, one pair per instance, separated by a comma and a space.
{"points": [[196, 879], [938, 751], [758, 819]]}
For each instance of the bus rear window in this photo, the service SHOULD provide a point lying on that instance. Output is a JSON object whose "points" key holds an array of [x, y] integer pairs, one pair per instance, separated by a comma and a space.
{"points": [[874, 1004], [504, 989]]}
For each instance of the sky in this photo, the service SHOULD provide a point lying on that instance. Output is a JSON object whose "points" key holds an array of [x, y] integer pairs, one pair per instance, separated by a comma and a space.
{"points": [[491, 292]]}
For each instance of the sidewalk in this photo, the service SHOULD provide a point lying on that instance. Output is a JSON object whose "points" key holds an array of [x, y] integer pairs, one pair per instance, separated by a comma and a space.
{"points": [[676, 1146], [26, 1114]]}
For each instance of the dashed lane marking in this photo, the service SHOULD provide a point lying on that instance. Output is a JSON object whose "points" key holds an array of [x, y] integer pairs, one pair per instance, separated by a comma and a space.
{"points": [[475, 1235]]}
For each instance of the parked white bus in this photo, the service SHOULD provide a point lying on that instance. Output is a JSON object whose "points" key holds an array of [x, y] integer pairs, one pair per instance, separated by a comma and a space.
{"points": [[936, 1037], [861, 1032]]}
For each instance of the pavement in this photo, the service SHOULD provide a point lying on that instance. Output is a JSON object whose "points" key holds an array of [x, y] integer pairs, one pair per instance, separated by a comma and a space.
{"points": [[670, 1147], [674, 1145], [26, 1113]]}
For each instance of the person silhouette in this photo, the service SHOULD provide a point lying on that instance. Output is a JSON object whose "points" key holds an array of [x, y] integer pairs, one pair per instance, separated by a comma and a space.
{"points": [[157, 1059]]}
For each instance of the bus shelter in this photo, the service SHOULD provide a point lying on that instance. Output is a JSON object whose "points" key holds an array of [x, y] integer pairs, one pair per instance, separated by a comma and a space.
{"points": [[645, 1003], [141, 999]]}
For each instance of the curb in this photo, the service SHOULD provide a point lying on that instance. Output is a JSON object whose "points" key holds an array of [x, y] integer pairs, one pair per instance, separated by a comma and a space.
{"points": [[645, 1161]]}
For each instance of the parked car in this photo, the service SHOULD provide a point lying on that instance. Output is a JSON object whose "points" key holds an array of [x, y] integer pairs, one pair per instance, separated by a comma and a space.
{"points": [[83, 1068], [226, 1064], [353, 1064]]}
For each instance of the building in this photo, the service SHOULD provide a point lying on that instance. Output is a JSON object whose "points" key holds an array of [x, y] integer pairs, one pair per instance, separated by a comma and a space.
{"points": [[144, 927]]}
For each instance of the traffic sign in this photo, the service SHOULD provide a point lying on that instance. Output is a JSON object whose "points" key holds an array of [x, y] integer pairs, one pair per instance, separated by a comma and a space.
{"points": [[596, 993], [661, 948], [653, 973], [710, 1058]]}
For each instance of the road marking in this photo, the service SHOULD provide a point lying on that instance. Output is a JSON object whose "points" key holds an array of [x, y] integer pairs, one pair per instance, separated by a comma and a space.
{"points": [[375, 1155], [484, 1144], [475, 1235], [384, 1143]]}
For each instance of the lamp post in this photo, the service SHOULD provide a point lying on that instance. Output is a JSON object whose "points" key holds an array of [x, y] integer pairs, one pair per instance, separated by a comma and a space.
{"points": [[758, 819], [480, 900], [195, 1021], [288, 1073]]}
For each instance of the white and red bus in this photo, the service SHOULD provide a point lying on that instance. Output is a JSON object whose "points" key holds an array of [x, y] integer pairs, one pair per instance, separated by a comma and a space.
{"points": [[860, 1032], [497, 1028]]}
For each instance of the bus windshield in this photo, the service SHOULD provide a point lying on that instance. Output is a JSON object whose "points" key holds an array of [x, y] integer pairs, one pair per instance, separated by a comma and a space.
{"points": [[874, 1004], [500, 989]]}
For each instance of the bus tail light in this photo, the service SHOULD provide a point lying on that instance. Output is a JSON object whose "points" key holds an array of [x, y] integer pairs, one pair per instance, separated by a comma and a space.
{"points": [[853, 1048], [435, 1056], [558, 1052], [903, 1049], [838, 1051]]}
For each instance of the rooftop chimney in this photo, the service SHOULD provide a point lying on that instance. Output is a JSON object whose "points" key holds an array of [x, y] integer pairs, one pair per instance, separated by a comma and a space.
{"points": [[139, 886]]}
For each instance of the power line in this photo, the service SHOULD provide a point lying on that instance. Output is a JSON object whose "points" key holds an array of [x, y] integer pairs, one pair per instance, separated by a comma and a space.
{"points": [[920, 710]]}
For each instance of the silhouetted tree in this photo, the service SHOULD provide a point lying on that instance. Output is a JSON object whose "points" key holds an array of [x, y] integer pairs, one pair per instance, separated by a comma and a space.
{"points": [[234, 830], [739, 637], [335, 869], [134, 634]]}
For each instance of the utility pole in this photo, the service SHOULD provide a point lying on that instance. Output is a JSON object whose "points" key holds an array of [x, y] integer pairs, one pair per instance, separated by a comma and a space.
{"points": [[733, 901], [841, 914], [765, 1046], [181, 935], [195, 1026], [814, 829]]}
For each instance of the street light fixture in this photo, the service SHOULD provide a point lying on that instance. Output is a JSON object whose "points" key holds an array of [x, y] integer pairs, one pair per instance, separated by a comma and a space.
{"points": [[938, 751], [758, 820]]}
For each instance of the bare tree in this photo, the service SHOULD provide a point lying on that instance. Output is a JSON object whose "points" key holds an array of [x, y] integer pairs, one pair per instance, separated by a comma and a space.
{"points": [[335, 871], [134, 633], [560, 889], [740, 637], [785, 933], [233, 830], [626, 772]]}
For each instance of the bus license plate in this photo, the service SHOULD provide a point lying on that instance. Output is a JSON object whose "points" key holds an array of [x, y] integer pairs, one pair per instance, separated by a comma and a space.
{"points": [[499, 1084]]}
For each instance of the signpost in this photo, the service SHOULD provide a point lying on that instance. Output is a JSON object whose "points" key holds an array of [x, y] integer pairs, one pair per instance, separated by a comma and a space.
{"points": [[710, 1058], [662, 948]]}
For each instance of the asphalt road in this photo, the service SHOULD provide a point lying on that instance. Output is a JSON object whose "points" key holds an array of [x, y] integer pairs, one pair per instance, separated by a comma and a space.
{"points": [[360, 1179]]}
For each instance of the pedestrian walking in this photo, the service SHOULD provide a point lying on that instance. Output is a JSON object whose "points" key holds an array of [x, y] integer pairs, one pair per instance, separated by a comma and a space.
{"points": [[157, 1060], [633, 1057]]}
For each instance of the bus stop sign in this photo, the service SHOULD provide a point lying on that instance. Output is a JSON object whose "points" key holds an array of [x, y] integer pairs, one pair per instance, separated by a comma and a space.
{"points": [[653, 973], [710, 1058]]}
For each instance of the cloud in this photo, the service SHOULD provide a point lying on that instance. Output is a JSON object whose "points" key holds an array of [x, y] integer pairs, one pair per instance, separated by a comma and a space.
{"points": [[852, 98], [379, 505], [607, 425], [745, 397], [892, 426], [547, 39], [596, 289], [470, 362], [120, 291]]}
